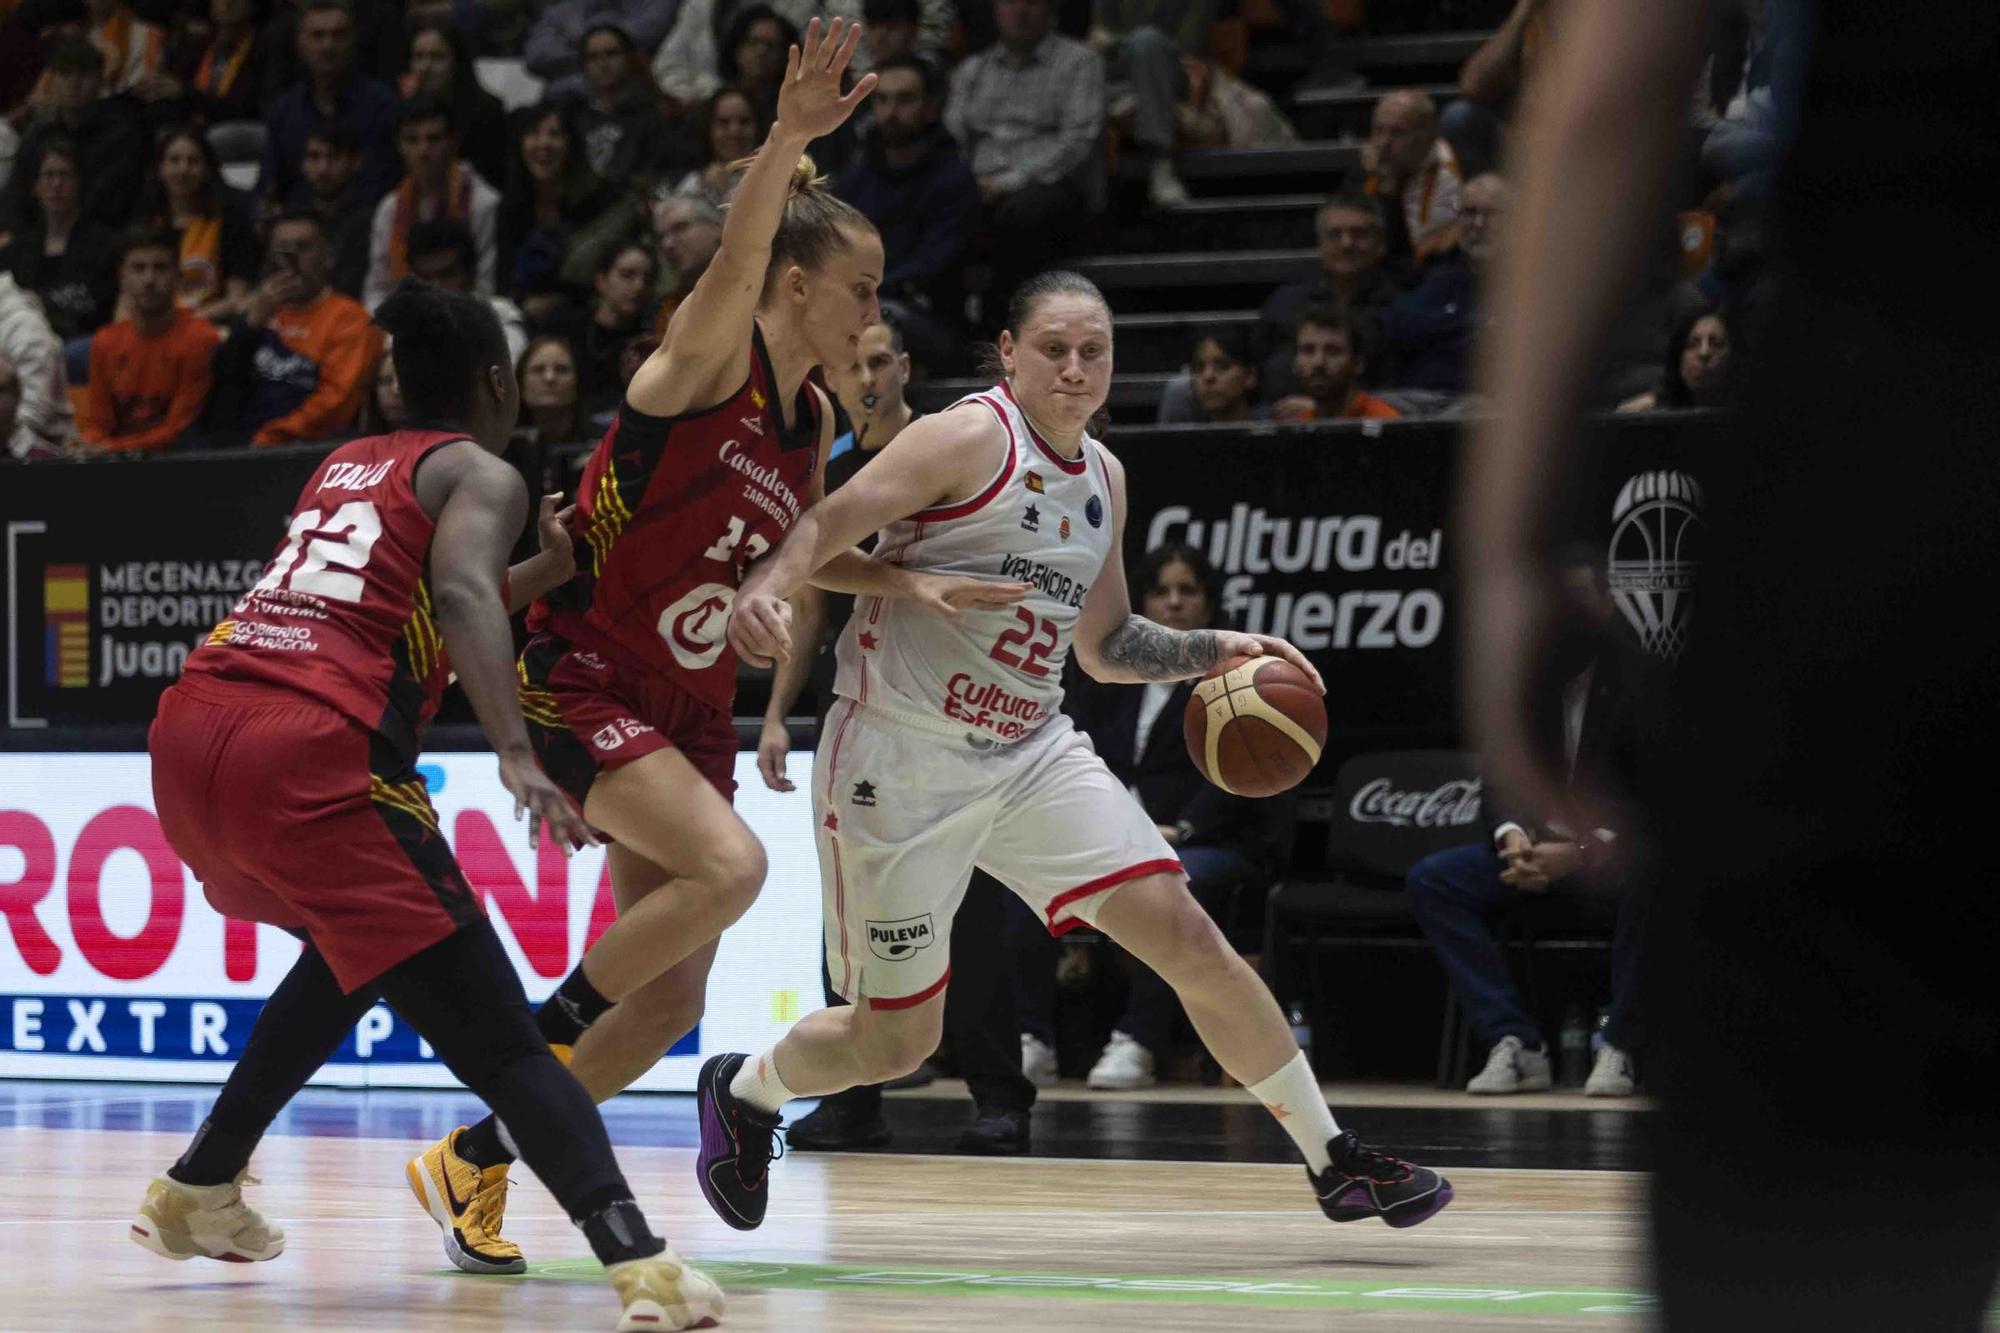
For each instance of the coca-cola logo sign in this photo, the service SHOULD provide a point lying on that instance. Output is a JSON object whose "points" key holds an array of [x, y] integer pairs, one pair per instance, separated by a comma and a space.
{"points": [[1450, 805]]}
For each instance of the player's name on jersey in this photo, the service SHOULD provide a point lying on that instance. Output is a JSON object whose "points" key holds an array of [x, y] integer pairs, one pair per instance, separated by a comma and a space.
{"points": [[1046, 578]]}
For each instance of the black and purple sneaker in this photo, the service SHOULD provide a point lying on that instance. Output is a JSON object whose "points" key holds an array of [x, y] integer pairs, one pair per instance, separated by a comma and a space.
{"points": [[1365, 1183], [737, 1144]]}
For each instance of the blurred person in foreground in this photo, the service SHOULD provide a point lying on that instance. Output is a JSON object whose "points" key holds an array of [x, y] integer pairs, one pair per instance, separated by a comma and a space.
{"points": [[1818, 1034]]}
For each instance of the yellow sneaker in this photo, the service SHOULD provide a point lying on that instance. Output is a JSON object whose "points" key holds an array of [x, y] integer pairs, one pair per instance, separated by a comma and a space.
{"points": [[211, 1221], [468, 1204], [665, 1292]]}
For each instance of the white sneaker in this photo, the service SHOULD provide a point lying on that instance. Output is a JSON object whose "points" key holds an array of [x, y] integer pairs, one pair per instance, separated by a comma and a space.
{"points": [[665, 1292], [1038, 1061], [1611, 1076], [180, 1221], [1125, 1064], [1163, 185], [1512, 1067]]}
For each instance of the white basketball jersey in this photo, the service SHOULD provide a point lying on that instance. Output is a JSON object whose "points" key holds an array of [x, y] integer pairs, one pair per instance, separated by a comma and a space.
{"points": [[994, 676]]}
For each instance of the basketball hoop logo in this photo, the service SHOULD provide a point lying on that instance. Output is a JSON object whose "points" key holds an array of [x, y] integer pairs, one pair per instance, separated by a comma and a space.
{"points": [[1656, 543]]}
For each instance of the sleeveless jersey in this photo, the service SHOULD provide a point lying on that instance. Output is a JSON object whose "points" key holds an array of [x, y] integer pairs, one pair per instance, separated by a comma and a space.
{"points": [[343, 615], [995, 676], [669, 513]]}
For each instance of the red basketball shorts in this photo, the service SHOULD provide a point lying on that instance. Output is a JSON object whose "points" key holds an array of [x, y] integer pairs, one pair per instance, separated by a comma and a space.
{"points": [[294, 814]]}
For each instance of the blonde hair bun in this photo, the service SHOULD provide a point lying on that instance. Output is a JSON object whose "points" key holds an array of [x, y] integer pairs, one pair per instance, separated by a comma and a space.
{"points": [[805, 177]]}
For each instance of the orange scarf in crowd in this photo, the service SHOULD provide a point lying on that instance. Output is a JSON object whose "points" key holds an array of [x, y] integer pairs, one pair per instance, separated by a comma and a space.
{"points": [[113, 39], [217, 83], [201, 262], [457, 206]]}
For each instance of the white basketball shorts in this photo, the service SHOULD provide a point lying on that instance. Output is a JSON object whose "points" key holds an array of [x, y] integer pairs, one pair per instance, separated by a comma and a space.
{"points": [[904, 816]]}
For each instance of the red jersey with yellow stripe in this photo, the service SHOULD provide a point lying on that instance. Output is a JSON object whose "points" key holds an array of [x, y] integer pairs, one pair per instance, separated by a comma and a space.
{"points": [[343, 613], [669, 514]]}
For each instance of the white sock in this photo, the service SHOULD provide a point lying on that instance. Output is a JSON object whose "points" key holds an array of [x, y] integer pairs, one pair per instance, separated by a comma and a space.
{"points": [[1292, 1095], [757, 1083], [506, 1139]]}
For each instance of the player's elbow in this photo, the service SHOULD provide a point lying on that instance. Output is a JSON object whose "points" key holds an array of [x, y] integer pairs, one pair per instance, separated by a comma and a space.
{"points": [[456, 596]]}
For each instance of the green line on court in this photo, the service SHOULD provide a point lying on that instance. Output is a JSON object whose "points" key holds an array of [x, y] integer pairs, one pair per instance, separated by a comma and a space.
{"points": [[1209, 1289]]}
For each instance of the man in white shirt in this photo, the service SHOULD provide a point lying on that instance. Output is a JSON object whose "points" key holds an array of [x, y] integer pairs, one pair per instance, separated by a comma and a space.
{"points": [[436, 184]]}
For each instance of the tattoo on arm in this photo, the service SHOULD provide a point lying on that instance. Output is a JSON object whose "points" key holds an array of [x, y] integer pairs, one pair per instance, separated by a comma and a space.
{"points": [[1153, 652]]}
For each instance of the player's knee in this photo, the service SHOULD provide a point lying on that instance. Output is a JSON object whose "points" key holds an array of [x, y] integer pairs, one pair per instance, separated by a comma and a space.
{"points": [[737, 872], [1193, 939], [896, 1048]]}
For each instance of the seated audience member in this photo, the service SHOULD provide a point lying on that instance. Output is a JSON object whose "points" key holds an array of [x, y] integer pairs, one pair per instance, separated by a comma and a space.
{"points": [[551, 393], [385, 409], [297, 360], [44, 423], [133, 50], [218, 245], [1429, 331], [1226, 844], [910, 181], [1415, 175], [331, 88], [688, 66], [752, 55], [551, 195], [689, 232], [329, 188], [1028, 112], [440, 63], [66, 259], [1143, 43], [436, 184], [1221, 381], [1329, 358], [729, 128], [149, 372], [1596, 721], [220, 76], [1352, 241], [1491, 80], [624, 284], [624, 135], [1697, 369], [108, 134], [10, 404], [443, 253], [556, 41], [891, 28]]}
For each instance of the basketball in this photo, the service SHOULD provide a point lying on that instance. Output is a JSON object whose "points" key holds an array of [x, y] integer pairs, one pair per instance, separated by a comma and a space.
{"points": [[1255, 726]]}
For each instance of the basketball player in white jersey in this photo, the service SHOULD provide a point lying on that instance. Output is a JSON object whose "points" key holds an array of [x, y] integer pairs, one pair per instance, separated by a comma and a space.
{"points": [[947, 751]]}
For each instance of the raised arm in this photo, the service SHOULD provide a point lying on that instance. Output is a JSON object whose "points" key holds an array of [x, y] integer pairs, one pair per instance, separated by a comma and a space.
{"points": [[706, 353], [1118, 647], [1599, 139]]}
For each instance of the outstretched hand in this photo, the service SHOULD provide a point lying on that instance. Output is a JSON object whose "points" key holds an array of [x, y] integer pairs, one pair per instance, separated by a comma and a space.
{"points": [[809, 100], [950, 595]]}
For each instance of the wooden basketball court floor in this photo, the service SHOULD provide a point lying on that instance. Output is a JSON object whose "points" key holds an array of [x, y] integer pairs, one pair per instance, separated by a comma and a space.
{"points": [[891, 1241]]}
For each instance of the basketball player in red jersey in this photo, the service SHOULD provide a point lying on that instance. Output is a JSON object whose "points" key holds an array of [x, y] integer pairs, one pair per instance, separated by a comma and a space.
{"points": [[948, 751], [283, 772], [720, 445]]}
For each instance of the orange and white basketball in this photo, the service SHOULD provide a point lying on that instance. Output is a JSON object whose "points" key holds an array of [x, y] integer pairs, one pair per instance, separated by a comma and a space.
{"points": [[1255, 726]]}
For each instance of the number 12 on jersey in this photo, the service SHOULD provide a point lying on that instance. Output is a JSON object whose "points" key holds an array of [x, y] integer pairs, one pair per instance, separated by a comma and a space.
{"points": [[1035, 638]]}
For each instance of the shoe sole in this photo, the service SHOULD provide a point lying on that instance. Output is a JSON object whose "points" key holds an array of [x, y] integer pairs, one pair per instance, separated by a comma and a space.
{"points": [[644, 1316], [461, 1258], [1430, 1208], [711, 1124], [987, 1148], [146, 1234]]}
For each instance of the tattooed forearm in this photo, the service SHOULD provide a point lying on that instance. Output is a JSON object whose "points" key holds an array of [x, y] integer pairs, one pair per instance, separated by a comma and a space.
{"points": [[1142, 650]]}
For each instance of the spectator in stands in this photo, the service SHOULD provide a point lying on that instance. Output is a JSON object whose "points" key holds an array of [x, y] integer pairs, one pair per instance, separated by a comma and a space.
{"points": [[618, 118], [624, 283], [66, 259], [330, 189], [689, 66], [551, 194], [108, 134], [1429, 331], [297, 361], [689, 233], [218, 246], [910, 181], [331, 88], [443, 253], [752, 55], [1028, 112], [1415, 174], [1352, 240], [555, 44], [1595, 721], [385, 409], [43, 420], [440, 63], [220, 78], [551, 392], [1491, 80], [729, 127], [1143, 61], [436, 184], [133, 50], [1222, 381], [891, 28], [10, 403], [1330, 358], [150, 371], [1226, 844], [1696, 373]]}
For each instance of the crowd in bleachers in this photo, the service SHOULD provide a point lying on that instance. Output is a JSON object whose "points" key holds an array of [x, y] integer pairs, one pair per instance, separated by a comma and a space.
{"points": [[295, 158]]}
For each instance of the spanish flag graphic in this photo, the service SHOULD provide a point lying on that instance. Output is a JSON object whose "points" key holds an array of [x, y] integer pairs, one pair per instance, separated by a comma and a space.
{"points": [[66, 608]]}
